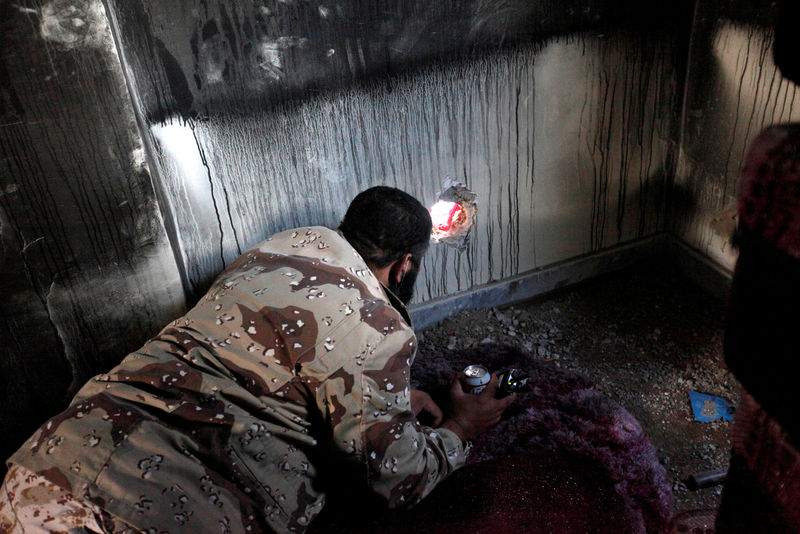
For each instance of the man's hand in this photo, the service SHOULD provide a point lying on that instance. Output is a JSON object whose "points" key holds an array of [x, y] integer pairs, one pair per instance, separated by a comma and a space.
{"points": [[469, 415], [422, 402]]}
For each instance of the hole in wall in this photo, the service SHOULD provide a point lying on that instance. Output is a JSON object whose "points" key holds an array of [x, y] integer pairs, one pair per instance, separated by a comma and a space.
{"points": [[453, 215]]}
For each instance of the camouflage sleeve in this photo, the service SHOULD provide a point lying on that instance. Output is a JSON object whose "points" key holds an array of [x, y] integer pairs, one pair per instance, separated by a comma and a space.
{"points": [[405, 460]]}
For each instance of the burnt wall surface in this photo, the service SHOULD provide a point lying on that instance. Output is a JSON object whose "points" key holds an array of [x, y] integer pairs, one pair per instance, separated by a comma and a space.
{"points": [[733, 92], [562, 117], [530, 130], [201, 57], [86, 269]]}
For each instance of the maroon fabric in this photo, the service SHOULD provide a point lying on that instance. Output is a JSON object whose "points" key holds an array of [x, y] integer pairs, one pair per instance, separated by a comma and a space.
{"points": [[538, 493], [769, 192], [762, 492], [761, 341], [562, 411], [761, 344]]}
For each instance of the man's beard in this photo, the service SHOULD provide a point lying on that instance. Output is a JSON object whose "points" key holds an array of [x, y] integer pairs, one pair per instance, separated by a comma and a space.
{"points": [[404, 290]]}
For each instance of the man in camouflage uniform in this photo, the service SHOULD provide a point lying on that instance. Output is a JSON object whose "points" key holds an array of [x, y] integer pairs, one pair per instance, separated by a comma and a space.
{"points": [[231, 418]]}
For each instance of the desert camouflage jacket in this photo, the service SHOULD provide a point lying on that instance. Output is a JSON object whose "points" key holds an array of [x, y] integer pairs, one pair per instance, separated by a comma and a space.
{"points": [[297, 357]]}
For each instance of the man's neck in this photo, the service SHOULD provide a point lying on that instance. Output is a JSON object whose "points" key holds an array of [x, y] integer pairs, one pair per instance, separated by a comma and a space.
{"points": [[381, 273]]}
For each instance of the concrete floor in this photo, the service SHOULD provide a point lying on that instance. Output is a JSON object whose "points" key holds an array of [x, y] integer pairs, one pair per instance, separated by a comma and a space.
{"points": [[645, 336]]}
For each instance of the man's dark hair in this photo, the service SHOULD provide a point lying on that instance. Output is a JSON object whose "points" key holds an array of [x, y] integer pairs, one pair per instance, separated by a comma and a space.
{"points": [[384, 223]]}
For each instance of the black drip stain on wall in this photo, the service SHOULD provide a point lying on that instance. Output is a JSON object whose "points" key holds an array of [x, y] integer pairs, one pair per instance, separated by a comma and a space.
{"points": [[180, 93], [79, 225], [734, 91], [299, 162], [620, 133], [274, 51], [223, 70]]}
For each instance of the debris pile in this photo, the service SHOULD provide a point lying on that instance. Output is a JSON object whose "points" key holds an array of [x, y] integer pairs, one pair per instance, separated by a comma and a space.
{"points": [[645, 337]]}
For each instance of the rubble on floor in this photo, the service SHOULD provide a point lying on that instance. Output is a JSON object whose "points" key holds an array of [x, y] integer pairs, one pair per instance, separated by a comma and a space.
{"points": [[646, 337]]}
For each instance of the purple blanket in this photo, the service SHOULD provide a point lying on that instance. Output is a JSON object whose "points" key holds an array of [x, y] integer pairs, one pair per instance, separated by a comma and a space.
{"points": [[560, 410]]}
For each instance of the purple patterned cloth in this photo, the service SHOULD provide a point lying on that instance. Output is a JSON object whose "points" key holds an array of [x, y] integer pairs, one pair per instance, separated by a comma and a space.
{"points": [[561, 410]]}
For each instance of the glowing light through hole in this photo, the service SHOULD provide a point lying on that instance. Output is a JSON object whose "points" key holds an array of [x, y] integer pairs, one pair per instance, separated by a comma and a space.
{"points": [[443, 214], [453, 215]]}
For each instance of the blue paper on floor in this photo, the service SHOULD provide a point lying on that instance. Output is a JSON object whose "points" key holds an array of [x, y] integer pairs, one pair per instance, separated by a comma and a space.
{"points": [[709, 408]]}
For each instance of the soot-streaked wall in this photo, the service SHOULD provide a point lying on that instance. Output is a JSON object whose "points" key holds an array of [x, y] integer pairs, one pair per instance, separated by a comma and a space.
{"points": [[733, 92], [531, 131], [563, 119], [86, 268]]}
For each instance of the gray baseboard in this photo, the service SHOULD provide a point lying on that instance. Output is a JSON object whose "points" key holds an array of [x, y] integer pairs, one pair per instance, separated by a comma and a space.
{"points": [[539, 281], [708, 275], [702, 271]]}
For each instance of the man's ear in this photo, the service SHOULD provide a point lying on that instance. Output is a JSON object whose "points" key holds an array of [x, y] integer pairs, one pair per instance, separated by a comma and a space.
{"points": [[399, 268]]}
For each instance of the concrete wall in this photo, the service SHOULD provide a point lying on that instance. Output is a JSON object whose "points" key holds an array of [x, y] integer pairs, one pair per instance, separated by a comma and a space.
{"points": [[733, 92], [531, 131], [563, 118], [86, 268]]}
